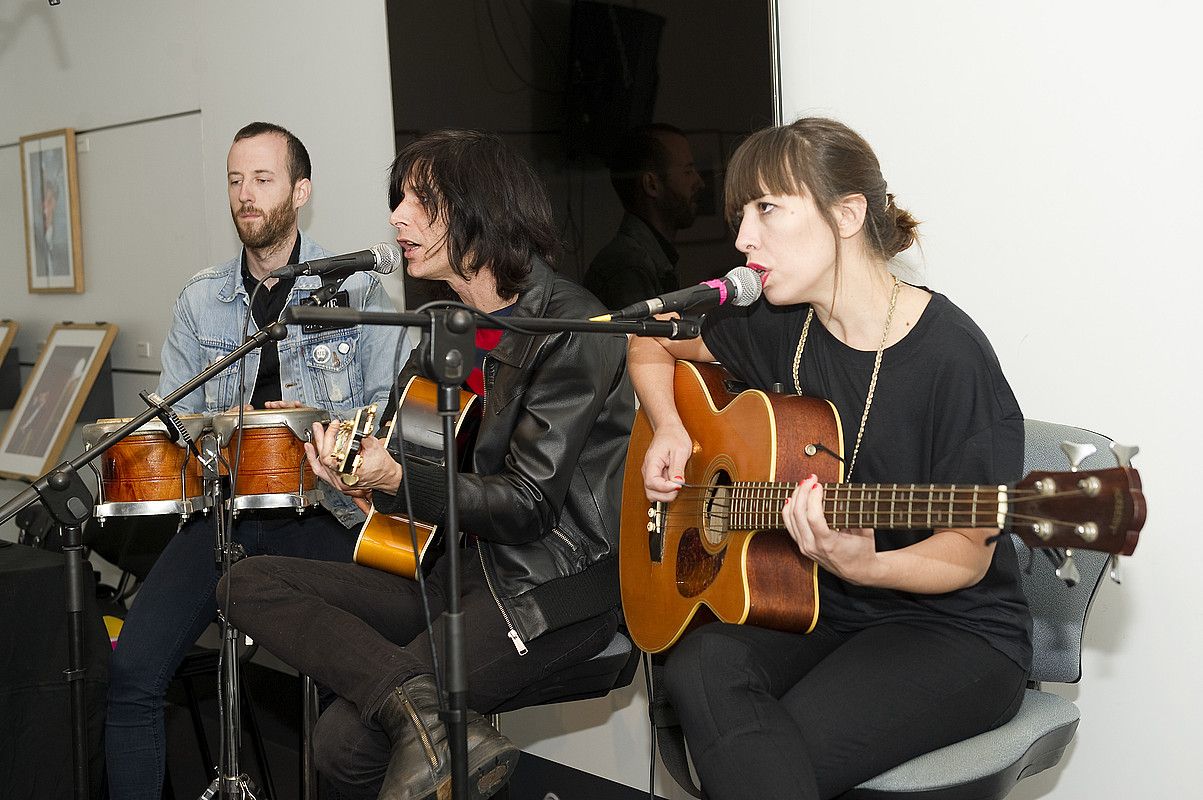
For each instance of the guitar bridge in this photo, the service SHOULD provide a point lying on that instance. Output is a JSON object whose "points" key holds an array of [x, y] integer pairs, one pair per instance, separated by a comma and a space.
{"points": [[655, 532]]}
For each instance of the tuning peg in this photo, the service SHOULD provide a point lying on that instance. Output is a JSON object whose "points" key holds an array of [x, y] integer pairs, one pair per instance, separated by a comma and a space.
{"points": [[1067, 570], [1123, 453], [1114, 571], [1077, 452]]}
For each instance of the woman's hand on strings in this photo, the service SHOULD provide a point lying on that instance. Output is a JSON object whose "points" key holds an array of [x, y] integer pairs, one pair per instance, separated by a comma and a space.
{"points": [[664, 463], [850, 553]]}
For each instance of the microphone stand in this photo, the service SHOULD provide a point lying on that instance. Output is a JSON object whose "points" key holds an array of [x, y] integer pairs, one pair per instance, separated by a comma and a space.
{"points": [[65, 495], [447, 361], [231, 782]]}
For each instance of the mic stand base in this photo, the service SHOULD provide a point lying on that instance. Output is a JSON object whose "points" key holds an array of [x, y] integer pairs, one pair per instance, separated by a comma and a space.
{"points": [[241, 787]]}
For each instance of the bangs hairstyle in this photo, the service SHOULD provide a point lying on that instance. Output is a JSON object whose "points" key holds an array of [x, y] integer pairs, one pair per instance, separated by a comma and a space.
{"points": [[494, 206], [827, 160]]}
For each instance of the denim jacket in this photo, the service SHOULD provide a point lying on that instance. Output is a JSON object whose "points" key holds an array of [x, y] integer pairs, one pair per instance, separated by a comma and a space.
{"points": [[336, 370]]}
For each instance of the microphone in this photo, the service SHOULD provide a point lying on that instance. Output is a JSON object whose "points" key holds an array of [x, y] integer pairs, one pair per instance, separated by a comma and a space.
{"points": [[382, 258], [741, 286]]}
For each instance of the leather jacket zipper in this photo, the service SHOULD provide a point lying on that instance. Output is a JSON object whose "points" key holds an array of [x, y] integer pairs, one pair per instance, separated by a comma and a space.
{"points": [[484, 383], [519, 645], [563, 537]]}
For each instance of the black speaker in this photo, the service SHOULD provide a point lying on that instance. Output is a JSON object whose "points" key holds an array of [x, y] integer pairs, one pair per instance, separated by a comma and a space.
{"points": [[613, 75]]}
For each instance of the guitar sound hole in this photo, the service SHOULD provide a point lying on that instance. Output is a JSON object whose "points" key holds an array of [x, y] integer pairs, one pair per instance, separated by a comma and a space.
{"points": [[717, 512]]}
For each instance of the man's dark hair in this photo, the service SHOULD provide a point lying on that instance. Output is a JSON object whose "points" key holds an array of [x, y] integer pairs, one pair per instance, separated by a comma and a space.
{"points": [[639, 150], [298, 157], [494, 205]]}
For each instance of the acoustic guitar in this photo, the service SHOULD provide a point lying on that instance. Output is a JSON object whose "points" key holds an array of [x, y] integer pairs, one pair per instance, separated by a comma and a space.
{"points": [[387, 541], [720, 550]]}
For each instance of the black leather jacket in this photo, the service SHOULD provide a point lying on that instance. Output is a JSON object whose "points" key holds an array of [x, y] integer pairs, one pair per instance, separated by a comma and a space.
{"points": [[545, 489]]}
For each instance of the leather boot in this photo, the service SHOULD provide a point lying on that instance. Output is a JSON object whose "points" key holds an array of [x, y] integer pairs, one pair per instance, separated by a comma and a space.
{"points": [[420, 765]]}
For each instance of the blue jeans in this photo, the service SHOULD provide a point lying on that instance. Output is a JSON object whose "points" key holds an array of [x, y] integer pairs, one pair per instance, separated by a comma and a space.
{"points": [[173, 607]]}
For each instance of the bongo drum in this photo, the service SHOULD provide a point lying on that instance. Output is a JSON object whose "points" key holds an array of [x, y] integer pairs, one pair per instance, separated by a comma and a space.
{"points": [[273, 471], [146, 473]]}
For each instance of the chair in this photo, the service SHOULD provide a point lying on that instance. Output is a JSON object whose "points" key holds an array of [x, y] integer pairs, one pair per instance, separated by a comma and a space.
{"points": [[613, 668], [988, 766]]}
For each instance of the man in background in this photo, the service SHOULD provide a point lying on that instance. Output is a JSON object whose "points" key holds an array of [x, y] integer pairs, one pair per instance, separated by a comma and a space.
{"points": [[653, 173]]}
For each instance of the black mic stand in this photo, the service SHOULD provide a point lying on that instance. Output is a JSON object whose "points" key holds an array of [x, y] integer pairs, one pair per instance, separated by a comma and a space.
{"points": [[230, 781], [69, 501], [447, 361]]}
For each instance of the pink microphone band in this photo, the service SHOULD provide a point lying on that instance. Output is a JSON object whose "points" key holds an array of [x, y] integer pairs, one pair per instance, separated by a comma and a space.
{"points": [[721, 285]]}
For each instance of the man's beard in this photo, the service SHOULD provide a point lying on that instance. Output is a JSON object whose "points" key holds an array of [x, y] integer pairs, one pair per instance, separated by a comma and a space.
{"points": [[271, 229], [680, 211]]}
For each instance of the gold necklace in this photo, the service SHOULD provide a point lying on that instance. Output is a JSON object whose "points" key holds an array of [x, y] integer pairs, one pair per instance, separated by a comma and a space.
{"points": [[864, 417]]}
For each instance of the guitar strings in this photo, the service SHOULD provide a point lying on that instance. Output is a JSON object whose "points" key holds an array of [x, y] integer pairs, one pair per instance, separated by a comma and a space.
{"points": [[730, 493], [722, 507]]}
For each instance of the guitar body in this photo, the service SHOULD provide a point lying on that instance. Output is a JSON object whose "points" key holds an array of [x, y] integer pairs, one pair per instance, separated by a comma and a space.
{"points": [[679, 564], [385, 541]]}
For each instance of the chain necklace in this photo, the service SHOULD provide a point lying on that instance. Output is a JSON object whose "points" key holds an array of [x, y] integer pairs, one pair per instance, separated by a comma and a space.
{"points": [[864, 417]]}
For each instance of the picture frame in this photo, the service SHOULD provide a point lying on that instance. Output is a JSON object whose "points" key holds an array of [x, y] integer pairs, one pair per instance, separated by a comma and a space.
{"points": [[10, 370], [8, 332], [50, 191], [46, 412]]}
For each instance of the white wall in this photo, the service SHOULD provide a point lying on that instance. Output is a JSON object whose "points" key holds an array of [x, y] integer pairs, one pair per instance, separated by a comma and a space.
{"points": [[1052, 149], [156, 91]]}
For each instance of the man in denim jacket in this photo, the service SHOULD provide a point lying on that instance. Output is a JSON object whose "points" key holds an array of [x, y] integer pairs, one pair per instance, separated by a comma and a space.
{"points": [[337, 370]]}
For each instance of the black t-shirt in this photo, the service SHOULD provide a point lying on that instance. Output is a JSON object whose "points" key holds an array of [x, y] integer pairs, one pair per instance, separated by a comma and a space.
{"points": [[269, 305], [942, 413]]}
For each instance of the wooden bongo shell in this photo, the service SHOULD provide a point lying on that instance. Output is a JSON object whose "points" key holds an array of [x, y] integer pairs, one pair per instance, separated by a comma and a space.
{"points": [[146, 466], [273, 461]]}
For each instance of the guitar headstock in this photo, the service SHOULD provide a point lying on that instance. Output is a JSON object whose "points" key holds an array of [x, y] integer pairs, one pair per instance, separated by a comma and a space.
{"points": [[1084, 509], [347, 442]]}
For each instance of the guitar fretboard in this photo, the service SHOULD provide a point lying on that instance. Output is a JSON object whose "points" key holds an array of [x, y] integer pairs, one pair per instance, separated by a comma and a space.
{"points": [[897, 506]]}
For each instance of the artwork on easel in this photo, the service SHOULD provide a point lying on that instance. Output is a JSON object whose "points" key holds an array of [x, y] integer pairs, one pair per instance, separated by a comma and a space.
{"points": [[8, 332], [10, 371], [41, 423]]}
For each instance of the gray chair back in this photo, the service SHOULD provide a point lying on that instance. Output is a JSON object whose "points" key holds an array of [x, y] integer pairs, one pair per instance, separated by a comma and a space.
{"points": [[1059, 611]]}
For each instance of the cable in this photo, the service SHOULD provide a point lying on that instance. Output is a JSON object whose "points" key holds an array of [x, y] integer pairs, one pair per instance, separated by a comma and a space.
{"points": [[647, 680], [398, 426]]}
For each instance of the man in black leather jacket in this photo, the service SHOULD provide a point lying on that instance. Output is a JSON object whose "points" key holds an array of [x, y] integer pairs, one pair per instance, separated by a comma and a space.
{"points": [[539, 504]]}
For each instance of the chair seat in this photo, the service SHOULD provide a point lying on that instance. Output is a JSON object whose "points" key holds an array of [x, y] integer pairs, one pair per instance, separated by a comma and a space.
{"points": [[988, 765], [612, 668]]}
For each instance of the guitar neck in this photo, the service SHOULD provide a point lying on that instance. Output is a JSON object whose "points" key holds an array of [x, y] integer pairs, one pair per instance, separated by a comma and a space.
{"points": [[890, 506]]}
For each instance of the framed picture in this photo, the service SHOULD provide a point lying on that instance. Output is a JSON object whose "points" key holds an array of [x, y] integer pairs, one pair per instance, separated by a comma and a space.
{"points": [[50, 188], [8, 332], [45, 414], [10, 370]]}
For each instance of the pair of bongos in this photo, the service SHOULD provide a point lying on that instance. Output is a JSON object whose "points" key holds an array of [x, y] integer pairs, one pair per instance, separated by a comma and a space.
{"points": [[150, 473]]}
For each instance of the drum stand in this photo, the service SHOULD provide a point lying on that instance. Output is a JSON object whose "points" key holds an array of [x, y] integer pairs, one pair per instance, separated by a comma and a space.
{"points": [[230, 782]]}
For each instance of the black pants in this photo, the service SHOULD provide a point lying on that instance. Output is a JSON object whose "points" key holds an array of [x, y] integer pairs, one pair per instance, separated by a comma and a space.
{"points": [[769, 714], [360, 632]]}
